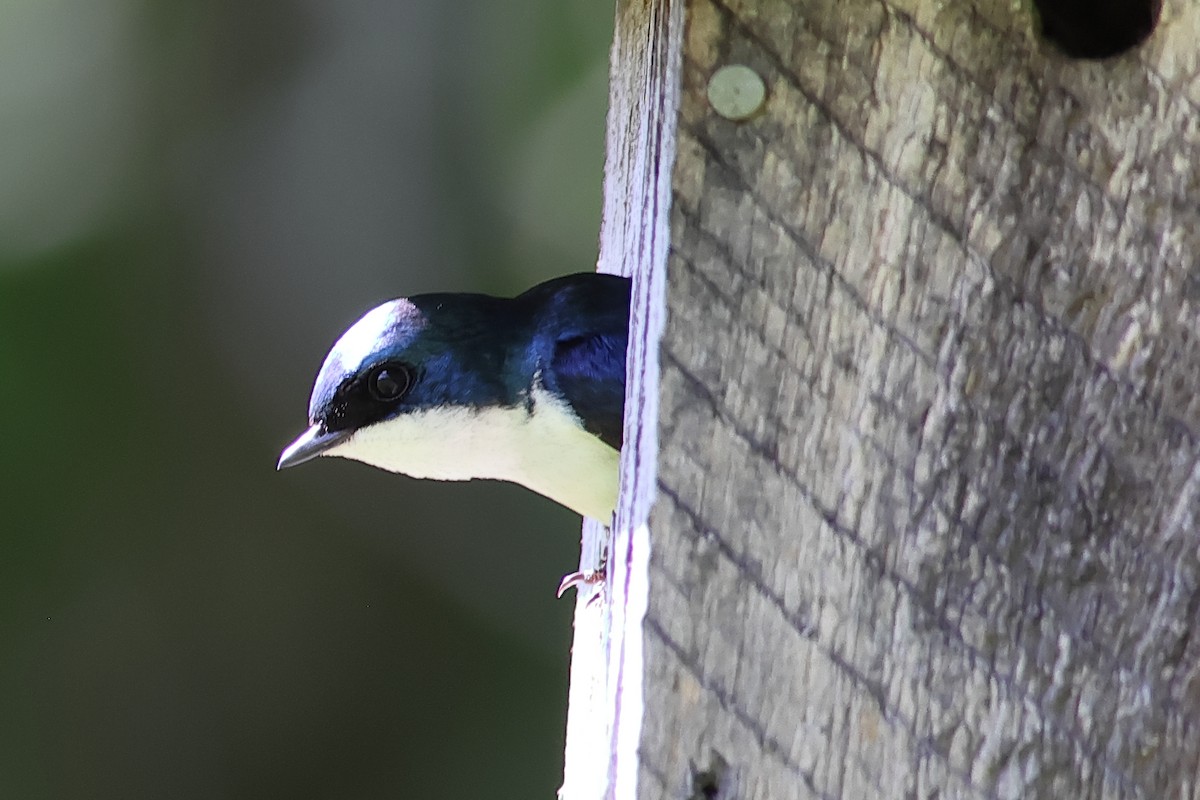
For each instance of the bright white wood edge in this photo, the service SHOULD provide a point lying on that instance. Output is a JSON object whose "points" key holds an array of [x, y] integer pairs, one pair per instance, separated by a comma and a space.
{"points": [[604, 720]]}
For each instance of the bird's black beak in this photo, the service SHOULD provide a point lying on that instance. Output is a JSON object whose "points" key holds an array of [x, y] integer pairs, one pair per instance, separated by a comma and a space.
{"points": [[310, 444]]}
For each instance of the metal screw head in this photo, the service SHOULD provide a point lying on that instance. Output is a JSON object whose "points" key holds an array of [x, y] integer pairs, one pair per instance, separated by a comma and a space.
{"points": [[736, 92]]}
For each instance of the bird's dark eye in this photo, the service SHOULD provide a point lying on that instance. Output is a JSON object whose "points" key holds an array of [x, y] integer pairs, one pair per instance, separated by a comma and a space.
{"points": [[388, 382]]}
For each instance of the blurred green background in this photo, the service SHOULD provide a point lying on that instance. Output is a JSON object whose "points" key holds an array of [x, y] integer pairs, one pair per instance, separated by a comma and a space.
{"points": [[195, 200]]}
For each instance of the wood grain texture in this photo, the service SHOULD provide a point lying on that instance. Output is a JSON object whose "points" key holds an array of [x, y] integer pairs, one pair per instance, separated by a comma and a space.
{"points": [[607, 667], [928, 476]]}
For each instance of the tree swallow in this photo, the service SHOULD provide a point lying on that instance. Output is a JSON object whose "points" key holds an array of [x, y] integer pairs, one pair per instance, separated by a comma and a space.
{"points": [[529, 389]]}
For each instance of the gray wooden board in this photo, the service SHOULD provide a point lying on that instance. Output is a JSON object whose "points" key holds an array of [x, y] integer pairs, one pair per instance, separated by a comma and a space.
{"points": [[924, 519]]}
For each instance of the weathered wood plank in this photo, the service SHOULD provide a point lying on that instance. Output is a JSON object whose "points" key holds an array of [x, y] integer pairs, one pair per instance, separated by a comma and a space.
{"points": [[927, 519]]}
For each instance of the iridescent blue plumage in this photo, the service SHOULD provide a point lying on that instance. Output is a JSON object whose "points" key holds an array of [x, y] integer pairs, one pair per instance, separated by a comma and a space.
{"points": [[589, 324]]}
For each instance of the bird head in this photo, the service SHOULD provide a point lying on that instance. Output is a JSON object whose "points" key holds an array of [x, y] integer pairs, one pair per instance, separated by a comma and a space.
{"points": [[418, 370]]}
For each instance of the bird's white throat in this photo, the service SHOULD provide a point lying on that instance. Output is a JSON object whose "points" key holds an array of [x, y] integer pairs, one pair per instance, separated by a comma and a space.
{"points": [[547, 450]]}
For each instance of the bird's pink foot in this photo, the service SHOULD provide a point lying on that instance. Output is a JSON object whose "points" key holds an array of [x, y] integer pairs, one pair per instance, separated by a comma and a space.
{"points": [[577, 580]]}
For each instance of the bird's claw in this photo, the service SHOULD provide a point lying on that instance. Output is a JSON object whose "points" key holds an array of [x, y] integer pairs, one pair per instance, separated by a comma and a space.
{"points": [[585, 577]]}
